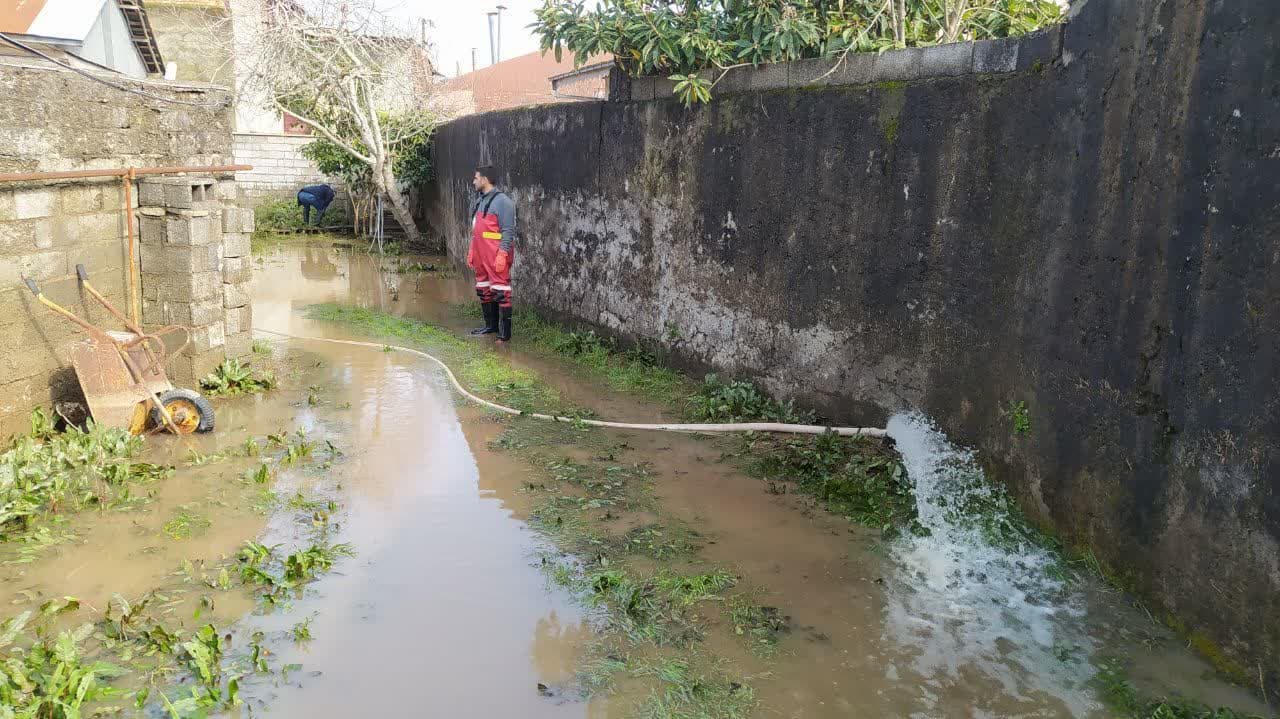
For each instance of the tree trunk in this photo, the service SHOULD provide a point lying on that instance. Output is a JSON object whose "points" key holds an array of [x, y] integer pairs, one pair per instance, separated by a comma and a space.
{"points": [[399, 207], [900, 22], [953, 19]]}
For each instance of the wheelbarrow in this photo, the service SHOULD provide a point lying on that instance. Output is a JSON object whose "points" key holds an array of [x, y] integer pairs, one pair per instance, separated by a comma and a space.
{"points": [[122, 373]]}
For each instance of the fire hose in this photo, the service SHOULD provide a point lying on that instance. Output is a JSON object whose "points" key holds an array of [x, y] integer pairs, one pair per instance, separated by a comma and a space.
{"points": [[771, 427]]}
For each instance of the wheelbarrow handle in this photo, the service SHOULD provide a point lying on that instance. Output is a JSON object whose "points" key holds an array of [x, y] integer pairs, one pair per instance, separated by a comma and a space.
{"points": [[31, 285]]}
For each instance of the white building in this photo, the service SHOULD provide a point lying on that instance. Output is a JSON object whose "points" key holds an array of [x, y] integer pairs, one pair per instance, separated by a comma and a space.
{"points": [[93, 34]]}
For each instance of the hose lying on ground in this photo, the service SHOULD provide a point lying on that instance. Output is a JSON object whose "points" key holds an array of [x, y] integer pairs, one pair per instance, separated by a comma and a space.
{"points": [[774, 427]]}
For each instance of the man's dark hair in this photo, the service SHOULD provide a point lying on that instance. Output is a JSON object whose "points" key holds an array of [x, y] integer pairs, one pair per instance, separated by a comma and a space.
{"points": [[489, 172]]}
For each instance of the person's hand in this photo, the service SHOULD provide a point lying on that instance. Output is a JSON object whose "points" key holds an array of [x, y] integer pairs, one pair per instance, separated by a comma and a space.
{"points": [[471, 258], [500, 261]]}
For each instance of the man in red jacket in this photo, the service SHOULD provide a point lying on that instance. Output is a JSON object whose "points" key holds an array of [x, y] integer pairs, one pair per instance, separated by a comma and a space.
{"points": [[493, 234]]}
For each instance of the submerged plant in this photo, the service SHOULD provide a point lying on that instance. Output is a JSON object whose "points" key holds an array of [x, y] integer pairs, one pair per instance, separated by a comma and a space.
{"points": [[50, 472], [860, 478], [51, 678], [233, 377]]}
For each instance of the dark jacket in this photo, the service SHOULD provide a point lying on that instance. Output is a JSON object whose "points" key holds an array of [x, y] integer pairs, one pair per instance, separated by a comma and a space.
{"points": [[323, 195]]}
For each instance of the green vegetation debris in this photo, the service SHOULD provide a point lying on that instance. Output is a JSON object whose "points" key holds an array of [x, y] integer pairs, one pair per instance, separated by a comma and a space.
{"points": [[233, 377], [1124, 699], [48, 473]]}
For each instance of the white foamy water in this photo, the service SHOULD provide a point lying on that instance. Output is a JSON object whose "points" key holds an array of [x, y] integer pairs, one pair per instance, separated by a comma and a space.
{"points": [[995, 620]]}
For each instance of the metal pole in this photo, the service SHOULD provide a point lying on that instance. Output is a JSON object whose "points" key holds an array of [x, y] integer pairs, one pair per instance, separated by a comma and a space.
{"points": [[134, 307], [473, 59], [493, 49], [498, 45]]}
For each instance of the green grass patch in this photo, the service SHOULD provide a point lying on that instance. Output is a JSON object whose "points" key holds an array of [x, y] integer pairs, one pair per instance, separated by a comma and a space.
{"points": [[480, 370], [637, 370]]}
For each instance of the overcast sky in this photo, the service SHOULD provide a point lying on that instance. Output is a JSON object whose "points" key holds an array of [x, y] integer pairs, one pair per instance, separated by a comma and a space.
{"points": [[461, 25]]}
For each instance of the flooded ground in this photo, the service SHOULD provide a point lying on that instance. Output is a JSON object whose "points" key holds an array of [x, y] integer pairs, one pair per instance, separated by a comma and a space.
{"points": [[446, 611]]}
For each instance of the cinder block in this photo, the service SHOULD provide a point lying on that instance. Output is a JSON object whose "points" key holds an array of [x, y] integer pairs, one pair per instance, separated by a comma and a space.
{"points": [[239, 320], [947, 60], [236, 245], [897, 65], [178, 196], [150, 193], [82, 199], [179, 260], [103, 260], [188, 314], [191, 227], [240, 344], [187, 369], [191, 287], [207, 338], [29, 204], [77, 229], [231, 219], [228, 191], [236, 295], [995, 56], [37, 265], [236, 270], [15, 236]]}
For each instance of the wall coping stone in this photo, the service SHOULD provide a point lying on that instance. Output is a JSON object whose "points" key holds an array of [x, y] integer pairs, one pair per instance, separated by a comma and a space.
{"points": [[981, 57]]}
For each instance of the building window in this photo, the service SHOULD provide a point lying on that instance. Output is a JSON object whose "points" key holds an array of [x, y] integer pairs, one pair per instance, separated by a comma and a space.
{"points": [[294, 126]]}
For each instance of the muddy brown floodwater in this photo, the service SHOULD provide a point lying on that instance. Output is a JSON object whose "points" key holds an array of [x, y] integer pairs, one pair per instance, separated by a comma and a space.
{"points": [[443, 612]]}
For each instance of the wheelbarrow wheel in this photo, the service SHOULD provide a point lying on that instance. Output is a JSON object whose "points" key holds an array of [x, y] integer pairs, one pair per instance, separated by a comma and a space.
{"points": [[190, 411]]}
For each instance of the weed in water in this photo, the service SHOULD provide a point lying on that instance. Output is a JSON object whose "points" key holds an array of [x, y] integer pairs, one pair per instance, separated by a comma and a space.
{"points": [[761, 626], [51, 678], [232, 378], [302, 631], [261, 347], [861, 479], [49, 473], [686, 693], [186, 524], [1121, 696]]}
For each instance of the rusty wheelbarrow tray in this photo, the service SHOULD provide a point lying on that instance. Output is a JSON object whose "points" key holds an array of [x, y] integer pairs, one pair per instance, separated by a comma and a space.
{"points": [[122, 373]]}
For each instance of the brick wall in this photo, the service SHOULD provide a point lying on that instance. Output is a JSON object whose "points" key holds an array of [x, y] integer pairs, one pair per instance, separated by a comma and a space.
{"points": [[57, 120], [279, 169]]}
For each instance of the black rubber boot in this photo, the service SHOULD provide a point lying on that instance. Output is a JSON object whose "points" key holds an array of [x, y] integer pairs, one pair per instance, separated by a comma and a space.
{"points": [[504, 324], [490, 319]]}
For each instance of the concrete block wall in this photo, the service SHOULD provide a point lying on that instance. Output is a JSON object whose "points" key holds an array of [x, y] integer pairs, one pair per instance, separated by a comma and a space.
{"points": [[56, 120], [195, 268], [279, 169], [45, 231]]}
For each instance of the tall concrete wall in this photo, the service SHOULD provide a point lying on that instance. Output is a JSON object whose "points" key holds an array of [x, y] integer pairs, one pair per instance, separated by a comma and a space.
{"points": [[1097, 236], [56, 120]]}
